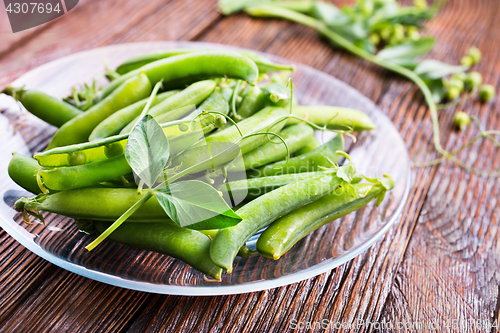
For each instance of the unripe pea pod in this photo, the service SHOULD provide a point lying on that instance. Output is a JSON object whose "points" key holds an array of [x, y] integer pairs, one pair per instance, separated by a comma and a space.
{"points": [[461, 120], [71, 177], [113, 124], [22, 170], [473, 80], [467, 61], [43, 106], [187, 68], [189, 246], [198, 158], [295, 137], [78, 129], [475, 54], [194, 94], [321, 157], [282, 234]]}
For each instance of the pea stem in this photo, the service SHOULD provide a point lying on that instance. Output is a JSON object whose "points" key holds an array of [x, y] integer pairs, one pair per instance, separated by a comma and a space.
{"points": [[273, 11], [120, 220], [150, 101]]}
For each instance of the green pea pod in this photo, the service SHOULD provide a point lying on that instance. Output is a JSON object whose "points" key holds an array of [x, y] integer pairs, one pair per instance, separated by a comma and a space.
{"points": [[333, 117], [322, 156], [186, 68], [214, 102], [45, 107], [189, 246], [198, 156], [194, 94], [226, 92], [255, 187], [264, 65], [253, 101], [113, 124], [283, 233], [312, 144], [78, 129], [23, 169], [71, 177], [243, 252], [276, 93], [172, 115], [295, 137], [181, 134], [106, 204], [264, 210], [136, 62]]}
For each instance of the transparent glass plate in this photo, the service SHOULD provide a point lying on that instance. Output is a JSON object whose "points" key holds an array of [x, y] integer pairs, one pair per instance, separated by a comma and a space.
{"points": [[378, 152]]}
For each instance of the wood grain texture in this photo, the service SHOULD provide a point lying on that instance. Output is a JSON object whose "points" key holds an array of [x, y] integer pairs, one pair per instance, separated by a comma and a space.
{"points": [[440, 262]]}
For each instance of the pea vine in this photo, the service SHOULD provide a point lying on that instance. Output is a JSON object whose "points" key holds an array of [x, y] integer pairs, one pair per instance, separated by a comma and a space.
{"points": [[393, 31]]}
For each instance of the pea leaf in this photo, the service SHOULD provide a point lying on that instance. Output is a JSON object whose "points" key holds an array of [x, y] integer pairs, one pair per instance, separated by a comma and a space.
{"points": [[350, 27], [196, 205], [405, 53], [437, 89], [147, 150], [434, 69], [411, 16]]}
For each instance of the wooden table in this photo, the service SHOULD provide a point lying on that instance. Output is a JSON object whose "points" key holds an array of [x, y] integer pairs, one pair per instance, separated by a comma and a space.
{"points": [[441, 263]]}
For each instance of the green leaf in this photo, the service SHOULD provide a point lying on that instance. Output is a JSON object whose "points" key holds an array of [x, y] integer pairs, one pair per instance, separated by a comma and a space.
{"points": [[147, 150], [196, 205], [437, 89], [349, 27], [411, 16], [405, 53], [434, 69]]}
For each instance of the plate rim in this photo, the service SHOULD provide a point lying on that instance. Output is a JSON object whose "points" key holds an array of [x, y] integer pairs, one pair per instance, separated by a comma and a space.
{"points": [[215, 290]]}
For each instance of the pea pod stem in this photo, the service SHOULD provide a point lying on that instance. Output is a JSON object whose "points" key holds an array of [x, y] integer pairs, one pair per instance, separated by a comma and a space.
{"points": [[150, 101], [120, 220], [279, 12]]}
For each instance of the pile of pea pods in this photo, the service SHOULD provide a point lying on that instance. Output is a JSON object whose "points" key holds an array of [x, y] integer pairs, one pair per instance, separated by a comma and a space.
{"points": [[292, 186]]}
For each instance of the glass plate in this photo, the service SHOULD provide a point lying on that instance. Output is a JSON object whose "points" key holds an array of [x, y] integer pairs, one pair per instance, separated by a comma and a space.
{"points": [[377, 152]]}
